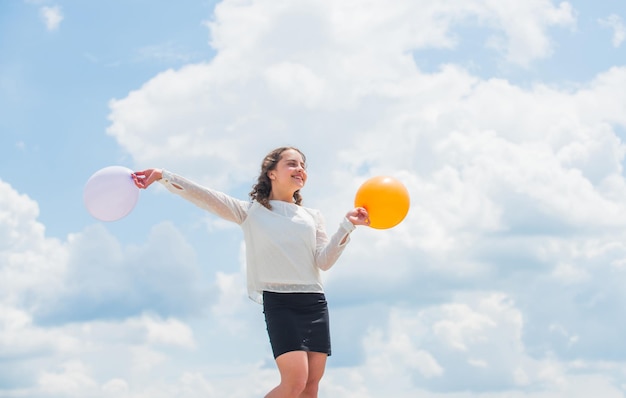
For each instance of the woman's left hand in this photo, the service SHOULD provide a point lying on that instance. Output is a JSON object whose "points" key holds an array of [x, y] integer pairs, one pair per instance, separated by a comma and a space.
{"points": [[358, 216]]}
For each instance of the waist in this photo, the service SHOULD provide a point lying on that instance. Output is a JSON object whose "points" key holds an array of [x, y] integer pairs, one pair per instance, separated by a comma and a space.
{"points": [[294, 300]]}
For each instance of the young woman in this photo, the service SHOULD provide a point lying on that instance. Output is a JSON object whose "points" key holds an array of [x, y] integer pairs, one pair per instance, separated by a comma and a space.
{"points": [[286, 248]]}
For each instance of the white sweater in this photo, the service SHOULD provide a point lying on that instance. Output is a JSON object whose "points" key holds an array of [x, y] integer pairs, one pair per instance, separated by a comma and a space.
{"points": [[286, 247]]}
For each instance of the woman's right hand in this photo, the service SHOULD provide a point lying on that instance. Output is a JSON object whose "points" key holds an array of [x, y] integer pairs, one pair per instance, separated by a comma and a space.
{"points": [[143, 179]]}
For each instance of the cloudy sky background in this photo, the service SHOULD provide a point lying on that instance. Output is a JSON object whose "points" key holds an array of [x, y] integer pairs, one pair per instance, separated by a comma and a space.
{"points": [[506, 121]]}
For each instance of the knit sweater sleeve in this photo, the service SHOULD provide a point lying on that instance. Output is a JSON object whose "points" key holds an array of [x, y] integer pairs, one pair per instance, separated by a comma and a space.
{"points": [[216, 202], [328, 249]]}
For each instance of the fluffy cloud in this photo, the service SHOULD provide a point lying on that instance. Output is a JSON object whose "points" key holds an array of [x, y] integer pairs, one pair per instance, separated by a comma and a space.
{"points": [[615, 23], [472, 346], [105, 279], [54, 293], [315, 70], [32, 266], [52, 17]]}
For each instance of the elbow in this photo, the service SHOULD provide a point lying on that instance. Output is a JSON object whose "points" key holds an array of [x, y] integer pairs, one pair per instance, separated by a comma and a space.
{"points": [[326, 263], [323, 263], [324, 267]]}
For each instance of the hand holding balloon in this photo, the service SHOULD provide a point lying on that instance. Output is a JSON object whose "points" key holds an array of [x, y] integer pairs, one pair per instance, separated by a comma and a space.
{"points": [[143, 179], [358, 216]]}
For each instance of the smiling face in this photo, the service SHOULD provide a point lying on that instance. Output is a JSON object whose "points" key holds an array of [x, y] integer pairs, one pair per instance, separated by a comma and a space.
{"points": [[288, 176]]}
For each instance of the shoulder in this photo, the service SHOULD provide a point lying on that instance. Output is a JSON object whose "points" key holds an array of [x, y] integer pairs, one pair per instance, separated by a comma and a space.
{"points": [[310, 210], [256, 208], [313, 213], [253, 204]]}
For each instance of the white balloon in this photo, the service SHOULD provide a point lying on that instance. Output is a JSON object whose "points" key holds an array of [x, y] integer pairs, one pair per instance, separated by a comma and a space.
{"points": [[110, 193]]}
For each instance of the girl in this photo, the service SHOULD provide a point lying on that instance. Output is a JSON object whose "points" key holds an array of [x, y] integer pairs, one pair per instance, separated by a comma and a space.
{"points": [[286, 247]]}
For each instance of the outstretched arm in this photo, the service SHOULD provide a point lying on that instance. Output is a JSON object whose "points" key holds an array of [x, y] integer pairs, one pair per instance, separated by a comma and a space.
{"points": [[218, 203]]}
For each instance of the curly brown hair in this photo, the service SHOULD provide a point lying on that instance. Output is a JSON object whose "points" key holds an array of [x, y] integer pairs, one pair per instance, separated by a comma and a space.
{"points": [[261, 190]]}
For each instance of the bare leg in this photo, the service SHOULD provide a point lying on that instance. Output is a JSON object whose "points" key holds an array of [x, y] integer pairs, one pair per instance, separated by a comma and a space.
{"points": [[294, 372], [317, 365]]}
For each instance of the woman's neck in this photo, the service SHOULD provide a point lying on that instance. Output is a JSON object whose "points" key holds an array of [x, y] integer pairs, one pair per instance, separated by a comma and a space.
{"points": [[282, 196]]}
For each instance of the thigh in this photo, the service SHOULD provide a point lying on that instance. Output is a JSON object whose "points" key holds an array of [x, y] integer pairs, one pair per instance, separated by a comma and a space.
{"points": [[293, 367], [317, 365]]}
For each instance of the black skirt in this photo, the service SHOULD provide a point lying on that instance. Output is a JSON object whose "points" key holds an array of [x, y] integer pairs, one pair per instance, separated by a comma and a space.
{"points": [[297, 322]]}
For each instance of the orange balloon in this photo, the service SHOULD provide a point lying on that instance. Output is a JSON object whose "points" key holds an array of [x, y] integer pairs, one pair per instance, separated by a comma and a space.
{"points": [[385, 199]]}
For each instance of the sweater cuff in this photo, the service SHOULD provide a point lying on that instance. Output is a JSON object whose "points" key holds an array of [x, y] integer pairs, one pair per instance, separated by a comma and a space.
{"points": [[347, 225], [166, 176]]}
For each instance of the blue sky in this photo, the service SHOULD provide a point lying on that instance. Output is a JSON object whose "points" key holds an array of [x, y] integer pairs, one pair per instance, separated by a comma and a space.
{"points": [[505, 120]]}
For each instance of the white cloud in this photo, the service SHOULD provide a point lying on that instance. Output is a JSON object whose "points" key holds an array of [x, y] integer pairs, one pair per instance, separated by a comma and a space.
{"points": [[486, 331], [570, 274], [615, 23], [70, 381], [52, 17], [116, 387], [493, 361], [525, 25], [75, 379], [384, 27], [32, 266], [169, 331], [104, 278], [328, 57], [21, 337]]}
